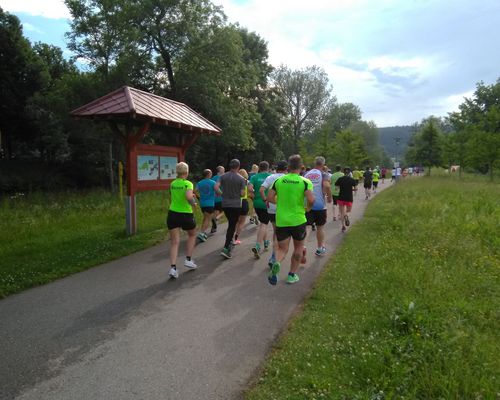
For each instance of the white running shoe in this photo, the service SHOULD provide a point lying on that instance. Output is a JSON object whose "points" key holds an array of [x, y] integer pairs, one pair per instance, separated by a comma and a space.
{"points": [[190, 264], [173, 273]]}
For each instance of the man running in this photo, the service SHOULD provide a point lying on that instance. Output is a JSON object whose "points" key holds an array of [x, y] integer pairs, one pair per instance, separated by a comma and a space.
{"points": [[289, 192], [231, 186], [260, 207], [206, 191], [181, 216], [346, 185], [321, 189], [367, 182], [376, 176], [218, 200], [335, 190], [271, 207]]}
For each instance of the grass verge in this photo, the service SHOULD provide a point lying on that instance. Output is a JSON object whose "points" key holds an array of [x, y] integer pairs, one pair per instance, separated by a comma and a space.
{"points": [[408, 308], [48, 236]]}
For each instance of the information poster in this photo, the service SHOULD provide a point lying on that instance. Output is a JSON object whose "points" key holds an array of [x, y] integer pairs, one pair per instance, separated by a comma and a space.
{"points": [[167, 167], [147, 168]]}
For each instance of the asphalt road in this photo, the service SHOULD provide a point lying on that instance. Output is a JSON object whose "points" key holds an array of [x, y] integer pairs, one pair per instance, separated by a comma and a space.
{"points": [[123, 330]]}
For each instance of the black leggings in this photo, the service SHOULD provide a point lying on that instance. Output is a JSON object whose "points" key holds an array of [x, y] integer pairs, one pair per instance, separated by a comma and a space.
{"points": [[232, 215]]}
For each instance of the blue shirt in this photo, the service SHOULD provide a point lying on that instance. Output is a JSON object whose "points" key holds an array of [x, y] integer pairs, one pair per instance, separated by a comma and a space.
{"points": [[207, 192], [218, 198], [317, 177]]}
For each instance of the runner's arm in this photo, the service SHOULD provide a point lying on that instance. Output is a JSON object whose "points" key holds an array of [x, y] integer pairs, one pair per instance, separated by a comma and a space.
{"points": [[309, 198], [327, 190], [271, 196]]}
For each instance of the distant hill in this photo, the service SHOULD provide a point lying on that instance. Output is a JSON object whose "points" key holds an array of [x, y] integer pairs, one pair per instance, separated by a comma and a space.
{"points": [[388, 135]]}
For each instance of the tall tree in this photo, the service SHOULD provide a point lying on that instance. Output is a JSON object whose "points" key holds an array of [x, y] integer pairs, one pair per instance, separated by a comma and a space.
{"points": [[167, 27], [22, 74], [348, 149], [429, 142], [479, 120], [307, 95]]}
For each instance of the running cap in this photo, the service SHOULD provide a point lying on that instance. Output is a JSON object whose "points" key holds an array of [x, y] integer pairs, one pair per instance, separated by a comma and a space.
{"points": [[347, 169]]}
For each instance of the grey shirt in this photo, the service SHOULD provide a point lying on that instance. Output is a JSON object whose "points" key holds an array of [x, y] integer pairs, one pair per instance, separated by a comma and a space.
{"points": [[231, 184]]}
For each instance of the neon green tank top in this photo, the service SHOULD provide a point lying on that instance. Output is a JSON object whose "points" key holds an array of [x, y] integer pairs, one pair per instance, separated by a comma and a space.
{"points": [[290, 190], [178, 201]]}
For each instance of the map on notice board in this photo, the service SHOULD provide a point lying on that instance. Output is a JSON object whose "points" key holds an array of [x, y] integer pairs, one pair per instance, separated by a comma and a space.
{"points": [[147, 168], [167, 167]]}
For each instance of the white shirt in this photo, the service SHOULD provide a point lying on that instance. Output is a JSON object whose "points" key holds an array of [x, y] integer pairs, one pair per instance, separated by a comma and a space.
{"points": [[269, 183]]}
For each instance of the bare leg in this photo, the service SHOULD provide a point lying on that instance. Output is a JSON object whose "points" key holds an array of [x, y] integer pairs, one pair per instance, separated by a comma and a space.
{"points": [[174, 245], [282, 249], [298, 248], [191, 240], [261, 233], [320, 236], [207, 218], [342, 213]]}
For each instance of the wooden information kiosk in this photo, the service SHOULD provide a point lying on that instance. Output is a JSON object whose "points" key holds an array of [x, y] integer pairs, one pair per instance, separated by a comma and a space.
{"points": [[131, 113]]}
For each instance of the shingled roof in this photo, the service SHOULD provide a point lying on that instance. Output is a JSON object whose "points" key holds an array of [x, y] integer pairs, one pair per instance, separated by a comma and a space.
{"points": [[128, 102]]}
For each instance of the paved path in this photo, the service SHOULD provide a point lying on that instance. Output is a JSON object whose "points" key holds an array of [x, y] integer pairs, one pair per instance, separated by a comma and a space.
{"points": [[124, 331]]}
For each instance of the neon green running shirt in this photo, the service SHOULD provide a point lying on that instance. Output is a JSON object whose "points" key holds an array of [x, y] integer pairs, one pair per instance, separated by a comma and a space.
{"points": [[375, 176], [290, 190], [335, 176], [178, 201]]}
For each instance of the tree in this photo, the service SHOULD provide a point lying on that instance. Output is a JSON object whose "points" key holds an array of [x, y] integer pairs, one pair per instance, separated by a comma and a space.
{"points": [[22, 74], [348, 149], [478, 123], [428, 148], [307, 95]]}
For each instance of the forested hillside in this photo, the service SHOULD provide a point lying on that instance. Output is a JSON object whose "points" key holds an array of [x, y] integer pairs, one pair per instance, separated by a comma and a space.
{"points": [[388, 136]]}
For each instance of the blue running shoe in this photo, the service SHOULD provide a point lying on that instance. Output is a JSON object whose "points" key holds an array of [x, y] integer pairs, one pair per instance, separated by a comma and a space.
{"points": [[273, 273]]}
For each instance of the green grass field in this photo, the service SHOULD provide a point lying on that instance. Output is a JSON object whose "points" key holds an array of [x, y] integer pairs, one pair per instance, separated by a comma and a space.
{"points": [[46, 237], [408, 308]]}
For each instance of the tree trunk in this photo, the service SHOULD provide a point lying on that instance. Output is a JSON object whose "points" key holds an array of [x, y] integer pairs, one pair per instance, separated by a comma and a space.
{"points": [[4, 145]]}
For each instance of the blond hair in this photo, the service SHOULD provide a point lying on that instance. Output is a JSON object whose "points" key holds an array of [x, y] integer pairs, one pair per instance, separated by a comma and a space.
{"points": [[255, 169], [243, 173], [182, 169]]}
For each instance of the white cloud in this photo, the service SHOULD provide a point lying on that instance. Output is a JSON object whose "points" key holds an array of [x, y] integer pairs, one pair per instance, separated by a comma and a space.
{"points": [[32, 28], [46, 8]]}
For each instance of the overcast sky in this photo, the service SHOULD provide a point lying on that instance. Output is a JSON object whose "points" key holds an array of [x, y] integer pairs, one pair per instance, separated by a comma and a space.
{"points": [[399, 60]]}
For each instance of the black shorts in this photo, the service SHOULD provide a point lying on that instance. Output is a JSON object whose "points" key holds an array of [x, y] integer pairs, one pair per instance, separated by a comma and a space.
{"points": [[244, 207], [185, 221], [375, 184], [317, 217], [367, 185], [297, 233], [335, 198], [208, 210], [218, 206], [262, 215], [272, 218]]}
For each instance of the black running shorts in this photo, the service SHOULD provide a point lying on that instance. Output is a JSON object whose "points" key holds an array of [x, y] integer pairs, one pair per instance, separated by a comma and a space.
{"points": [[185, 221], [263, 215], [297, 233], [244, 207], [208, 210], [317, 217], [218, 206]]}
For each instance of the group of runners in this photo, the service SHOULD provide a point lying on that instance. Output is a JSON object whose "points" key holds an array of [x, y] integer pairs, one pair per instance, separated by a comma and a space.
{"points": [[289, 197]]}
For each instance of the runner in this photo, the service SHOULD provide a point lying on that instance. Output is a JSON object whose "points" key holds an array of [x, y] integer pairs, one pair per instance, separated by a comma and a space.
{"points": [[232, 186], [375, 180], [335, 190], [367, 182], [260, 207], [253, 216], [289, 192], [346, 185], [244, 208], [357, 175], [271, 207], [206, 192], [180, 216], [218, 200], [383, 173], [318, 213], [393, 175]]}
